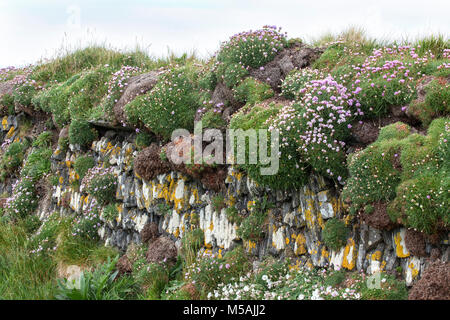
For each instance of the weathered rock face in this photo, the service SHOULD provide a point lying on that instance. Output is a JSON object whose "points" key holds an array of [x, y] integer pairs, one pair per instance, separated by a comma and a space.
{"points": [[298, 56], [137, 85], [160, 211]]}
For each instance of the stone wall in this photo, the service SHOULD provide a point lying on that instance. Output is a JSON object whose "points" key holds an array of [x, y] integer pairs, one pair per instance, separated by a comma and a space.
{"points": [[177, 203]]}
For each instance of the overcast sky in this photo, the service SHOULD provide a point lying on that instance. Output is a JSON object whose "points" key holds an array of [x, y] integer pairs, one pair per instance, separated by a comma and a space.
{"points": [[30, 30]]}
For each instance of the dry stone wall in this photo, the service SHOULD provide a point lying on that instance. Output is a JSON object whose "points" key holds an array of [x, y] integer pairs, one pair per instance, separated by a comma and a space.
{"points": [[177, 203]]}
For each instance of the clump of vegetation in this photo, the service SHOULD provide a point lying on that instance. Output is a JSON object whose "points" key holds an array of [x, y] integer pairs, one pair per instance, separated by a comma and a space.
{"points": [[24, 199], [170, 105], [252, 91], [153, 278], [213, 118], [82, 165], [233, 215], [335, 234], [435, 104], [12, 158], [292, 172], [87, 225], [191, 243], [110, 212], [297, 80], [143, 140], [318, 126], [253, 227], [406, 171], [7, 104], [82, 133], [116, 85], [44, 140], [419, 204], [373, 177], [252, 48], [398, 131], [209, 270], [218, 202], [149, 163], [101, 284], [101, 183], [74, 98]]}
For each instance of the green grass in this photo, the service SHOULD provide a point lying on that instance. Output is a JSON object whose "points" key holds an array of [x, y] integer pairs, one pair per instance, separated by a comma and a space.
{"points": [[335, 234], [23, 275]]}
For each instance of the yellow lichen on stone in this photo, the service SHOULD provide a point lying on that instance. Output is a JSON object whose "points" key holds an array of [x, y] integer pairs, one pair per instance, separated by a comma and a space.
{"points": [[238, 175], [350, 255], [347, 220], [414, 271], [10, 133], [300, 244], [5, 122], [399, 249], [251, 244], [376, 256], [336, 204], [211, 226], [194, 192], [309, 215], [230, 201], [287, 240], [325, 253], [296, 266], [320, 221], [176, 232]]}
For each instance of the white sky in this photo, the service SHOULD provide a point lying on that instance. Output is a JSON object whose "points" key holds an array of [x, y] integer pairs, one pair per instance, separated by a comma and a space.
{"points": [[30, 30]]}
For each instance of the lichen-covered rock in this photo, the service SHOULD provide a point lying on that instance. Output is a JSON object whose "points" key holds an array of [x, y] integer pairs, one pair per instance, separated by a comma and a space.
{"points": [[399, 243], [174, 202]]}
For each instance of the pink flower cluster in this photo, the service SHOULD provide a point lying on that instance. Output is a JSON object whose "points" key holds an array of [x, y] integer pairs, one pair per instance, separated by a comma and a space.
{"points": [[253, 48], [95, 173], [118, 81]]}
